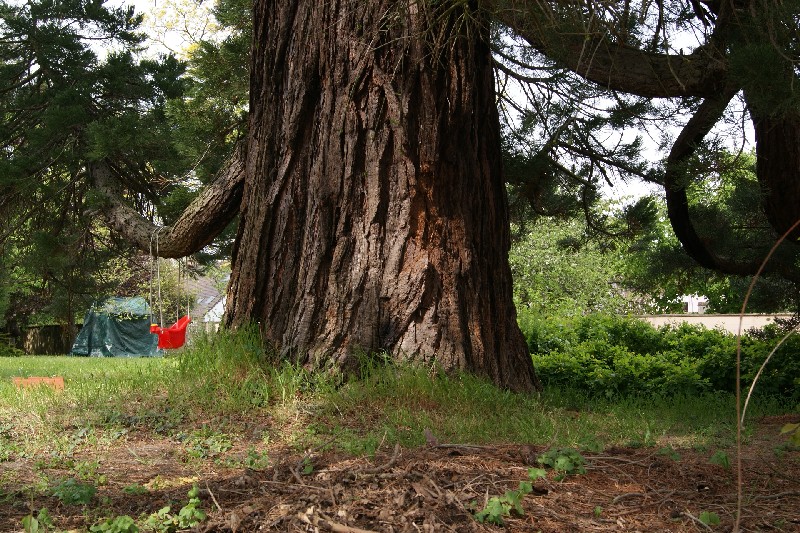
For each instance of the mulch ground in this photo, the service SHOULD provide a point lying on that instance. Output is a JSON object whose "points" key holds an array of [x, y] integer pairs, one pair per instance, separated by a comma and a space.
{"points": [[439, 487]]}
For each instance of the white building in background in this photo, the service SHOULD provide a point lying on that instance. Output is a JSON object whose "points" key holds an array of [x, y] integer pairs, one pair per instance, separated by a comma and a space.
{"points": [[215, 313], [209, 303], [693, 303]]}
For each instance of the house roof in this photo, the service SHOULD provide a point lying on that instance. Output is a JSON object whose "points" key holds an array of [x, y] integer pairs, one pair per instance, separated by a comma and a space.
{"points": [[207, 295]]}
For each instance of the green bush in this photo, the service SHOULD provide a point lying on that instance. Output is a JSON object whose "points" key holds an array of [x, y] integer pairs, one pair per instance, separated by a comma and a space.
{"points": [[545, 335], [617, 355], [635, 335], [6, 350]]}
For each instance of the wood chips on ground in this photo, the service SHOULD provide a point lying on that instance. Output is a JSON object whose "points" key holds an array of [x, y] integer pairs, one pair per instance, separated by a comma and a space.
{"points": [[438, 488]]}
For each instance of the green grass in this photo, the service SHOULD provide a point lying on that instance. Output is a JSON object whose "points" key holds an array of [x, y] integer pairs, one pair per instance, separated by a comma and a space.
{"points": [[78, 369], [230, 379], [396, 405]]}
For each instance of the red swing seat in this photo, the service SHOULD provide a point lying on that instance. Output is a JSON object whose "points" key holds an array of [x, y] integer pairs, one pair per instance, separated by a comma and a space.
{"points": [[173, 336]]}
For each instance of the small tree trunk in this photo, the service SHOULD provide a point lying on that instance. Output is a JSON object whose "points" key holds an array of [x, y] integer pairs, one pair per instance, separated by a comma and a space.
{"points": [[374, 214]]}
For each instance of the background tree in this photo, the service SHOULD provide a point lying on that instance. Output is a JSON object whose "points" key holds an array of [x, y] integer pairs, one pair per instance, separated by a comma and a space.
{"points": [[72, 89], [725, 198], [599, 84], [60, 103], [560, 270], [210, 118]]}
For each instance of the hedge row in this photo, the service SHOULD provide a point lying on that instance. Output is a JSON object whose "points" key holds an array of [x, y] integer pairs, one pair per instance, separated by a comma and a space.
{"points": [[614, 355]]}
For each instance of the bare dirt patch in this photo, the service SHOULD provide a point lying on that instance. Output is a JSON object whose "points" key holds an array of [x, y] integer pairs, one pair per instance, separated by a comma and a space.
{"points": [[433, 488]]}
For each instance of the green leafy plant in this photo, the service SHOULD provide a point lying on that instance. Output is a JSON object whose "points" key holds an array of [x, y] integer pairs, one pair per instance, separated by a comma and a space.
{"points": [[669, 452], [206, 443], [161, 521], [72, 492], [793, 432], [41, 523], [87, 471], [255, 460], [709, 519], [135, 489], [308, 466], [535, 474], [7, 449], [565, 461], [499, 507], [189, 516], [118, 524]]}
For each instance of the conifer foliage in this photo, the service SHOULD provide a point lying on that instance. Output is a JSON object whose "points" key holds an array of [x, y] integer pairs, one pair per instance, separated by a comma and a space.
{"points": [[72, 90]]}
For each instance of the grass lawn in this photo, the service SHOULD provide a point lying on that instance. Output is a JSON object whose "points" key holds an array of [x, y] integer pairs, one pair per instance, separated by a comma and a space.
{"points": [[158, 425]]}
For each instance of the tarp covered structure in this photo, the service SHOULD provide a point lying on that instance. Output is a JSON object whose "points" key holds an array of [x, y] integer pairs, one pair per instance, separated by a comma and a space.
{"points": [[117, 327]]}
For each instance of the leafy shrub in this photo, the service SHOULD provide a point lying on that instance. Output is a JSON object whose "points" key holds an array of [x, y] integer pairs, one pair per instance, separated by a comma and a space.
{"points": [[544, 335], [118, 524], [635, 335], [615, 355], [565, 461], [189, 516], [499, 507]]}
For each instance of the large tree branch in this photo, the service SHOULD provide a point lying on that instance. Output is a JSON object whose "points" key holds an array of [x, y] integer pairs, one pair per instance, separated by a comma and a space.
{"points": [[706, 116], [614, 66], [204, 219]]}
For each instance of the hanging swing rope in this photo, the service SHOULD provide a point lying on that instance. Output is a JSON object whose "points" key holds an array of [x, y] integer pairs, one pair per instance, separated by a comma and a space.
{"points": [[183, 280], [178, 295], [188, 295], [155, 267], [175, 335]]}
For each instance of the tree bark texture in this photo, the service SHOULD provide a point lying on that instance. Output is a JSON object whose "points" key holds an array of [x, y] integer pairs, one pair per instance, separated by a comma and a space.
{"points": [[374, 212]]}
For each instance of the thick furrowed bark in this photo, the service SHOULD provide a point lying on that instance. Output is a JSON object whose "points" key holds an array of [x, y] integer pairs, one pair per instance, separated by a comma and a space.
{"points": [[374, 214], [204, 219]]}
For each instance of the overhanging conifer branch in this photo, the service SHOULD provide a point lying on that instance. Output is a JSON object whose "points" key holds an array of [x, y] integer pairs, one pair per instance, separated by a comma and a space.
{"points": [[205, 218], [707, 115], [610, 64]]}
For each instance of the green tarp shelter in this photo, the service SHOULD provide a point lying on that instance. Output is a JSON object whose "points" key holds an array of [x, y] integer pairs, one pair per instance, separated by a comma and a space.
{"points": [[117, 327]]}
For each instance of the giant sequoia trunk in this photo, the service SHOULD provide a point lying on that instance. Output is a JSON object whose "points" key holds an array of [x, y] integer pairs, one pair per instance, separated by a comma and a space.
{"points": [[374, 211]]}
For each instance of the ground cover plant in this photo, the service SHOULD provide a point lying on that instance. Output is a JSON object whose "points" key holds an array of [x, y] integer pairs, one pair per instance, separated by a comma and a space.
{"points": [[223, 437]]}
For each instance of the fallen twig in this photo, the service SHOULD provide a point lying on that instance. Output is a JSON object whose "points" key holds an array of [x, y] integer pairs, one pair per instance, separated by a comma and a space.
{"points": [[778, 495], [324, 521], [290, 484], [697, 520], [213, 498], [379, 468], [628, 495]]}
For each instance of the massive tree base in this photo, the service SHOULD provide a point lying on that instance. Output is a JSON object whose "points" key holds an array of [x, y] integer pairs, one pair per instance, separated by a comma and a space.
{"points": [[374, 210]]}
